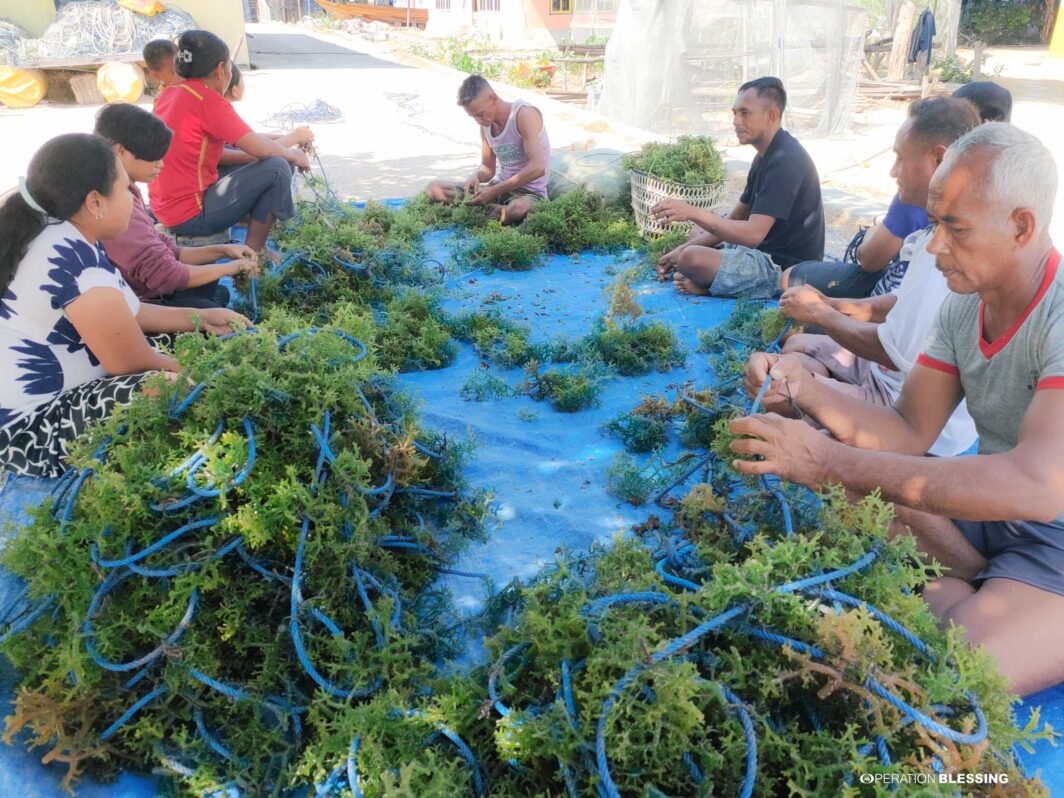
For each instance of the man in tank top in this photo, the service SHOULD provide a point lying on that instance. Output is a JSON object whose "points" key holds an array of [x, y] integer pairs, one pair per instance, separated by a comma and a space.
{"points": [[515, 155]]}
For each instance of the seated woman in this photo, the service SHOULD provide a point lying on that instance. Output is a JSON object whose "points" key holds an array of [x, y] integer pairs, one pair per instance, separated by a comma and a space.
{"points": [[154, 266], [72, 333], [189, 197], [233, 157]]}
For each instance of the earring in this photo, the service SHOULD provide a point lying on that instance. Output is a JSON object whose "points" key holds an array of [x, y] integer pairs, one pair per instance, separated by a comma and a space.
{"points": [[99, 216]]}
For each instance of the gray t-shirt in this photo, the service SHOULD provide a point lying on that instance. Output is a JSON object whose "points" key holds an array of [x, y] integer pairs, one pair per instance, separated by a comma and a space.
{"points": [[999, 378]]}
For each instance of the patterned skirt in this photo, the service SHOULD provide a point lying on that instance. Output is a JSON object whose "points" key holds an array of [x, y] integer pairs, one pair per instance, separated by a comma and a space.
{"points": [[36, 444]]}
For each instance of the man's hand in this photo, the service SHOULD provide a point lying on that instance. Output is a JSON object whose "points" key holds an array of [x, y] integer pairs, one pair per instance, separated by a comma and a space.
{"points": [[789, 379], [805, 303], [299, 159], [243, 266], [238, 252], [485, 196], [672, 210], [471, 186], [220, 321], [792, 450]]}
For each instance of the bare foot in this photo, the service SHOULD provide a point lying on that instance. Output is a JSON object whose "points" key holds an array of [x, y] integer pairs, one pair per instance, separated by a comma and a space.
{"points": [[665, 271], [685, 285]]}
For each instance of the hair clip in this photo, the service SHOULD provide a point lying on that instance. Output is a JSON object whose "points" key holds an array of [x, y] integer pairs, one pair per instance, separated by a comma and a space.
{"points": [[184, 56]]}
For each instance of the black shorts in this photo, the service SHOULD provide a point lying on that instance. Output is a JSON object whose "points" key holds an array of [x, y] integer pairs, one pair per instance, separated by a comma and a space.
{"points": [[1027, 551], [834, 278]]}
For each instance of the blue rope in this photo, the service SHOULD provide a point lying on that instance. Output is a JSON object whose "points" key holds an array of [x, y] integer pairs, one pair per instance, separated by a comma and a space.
{"points": [[213, 742], [21, 624], [672, 649], [211, 492], [463, 750], [113, 580], [498, 669], [154, 547], [177, 409], [133, 710], [352, 769]]}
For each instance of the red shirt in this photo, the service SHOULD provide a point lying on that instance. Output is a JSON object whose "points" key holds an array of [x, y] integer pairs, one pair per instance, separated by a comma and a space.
{"points": [[203, 123]]}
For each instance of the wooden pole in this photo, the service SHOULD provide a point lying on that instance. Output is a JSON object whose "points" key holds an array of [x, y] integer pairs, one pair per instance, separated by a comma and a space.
{"points": [[408, 2], [899, 48]]}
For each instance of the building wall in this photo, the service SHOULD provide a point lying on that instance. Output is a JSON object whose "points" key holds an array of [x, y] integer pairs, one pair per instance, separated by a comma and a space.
{"points": [[223, 17]]}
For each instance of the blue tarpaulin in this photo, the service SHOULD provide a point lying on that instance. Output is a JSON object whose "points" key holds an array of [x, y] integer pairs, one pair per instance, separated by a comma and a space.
{"points": [[547, 470]]}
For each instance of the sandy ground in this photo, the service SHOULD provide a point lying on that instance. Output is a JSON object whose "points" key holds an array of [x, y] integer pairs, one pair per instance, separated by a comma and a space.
{"points": [[401, 125]]}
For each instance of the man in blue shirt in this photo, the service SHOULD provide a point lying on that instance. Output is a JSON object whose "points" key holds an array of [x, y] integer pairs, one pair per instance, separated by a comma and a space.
{"points": [[778, 222]]}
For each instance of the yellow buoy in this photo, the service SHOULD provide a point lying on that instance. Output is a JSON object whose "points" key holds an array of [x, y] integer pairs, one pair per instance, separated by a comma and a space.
{"points": [[22, 88], [120, 82]]}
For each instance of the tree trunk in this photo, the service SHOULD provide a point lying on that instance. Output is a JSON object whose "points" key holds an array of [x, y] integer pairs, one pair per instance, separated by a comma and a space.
{"points": [[1047, 24], [899, 49]]}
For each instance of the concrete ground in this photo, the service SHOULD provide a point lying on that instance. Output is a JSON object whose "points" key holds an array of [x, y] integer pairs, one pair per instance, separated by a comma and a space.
{"points": [[401, 126]]}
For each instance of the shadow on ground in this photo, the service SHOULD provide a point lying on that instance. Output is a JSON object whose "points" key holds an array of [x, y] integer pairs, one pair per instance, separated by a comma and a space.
{"points": [[299, 51]]}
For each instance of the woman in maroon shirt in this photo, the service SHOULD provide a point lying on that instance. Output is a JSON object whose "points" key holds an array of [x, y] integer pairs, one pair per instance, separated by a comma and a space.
{"points": [[154, 266]]}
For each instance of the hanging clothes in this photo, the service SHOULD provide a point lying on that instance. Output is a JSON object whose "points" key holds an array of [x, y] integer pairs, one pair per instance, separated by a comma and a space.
{"points": [[922, 37]]}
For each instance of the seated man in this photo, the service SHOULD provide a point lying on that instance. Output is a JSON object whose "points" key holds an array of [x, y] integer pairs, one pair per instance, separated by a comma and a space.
{"points": [[872, 344], [515, 155], [156, 268], [778, 222], [995, 521]]}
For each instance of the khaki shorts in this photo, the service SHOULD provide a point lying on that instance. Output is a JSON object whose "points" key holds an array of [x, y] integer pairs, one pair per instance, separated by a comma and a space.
{"points": [[850, 374], [509, 196]]}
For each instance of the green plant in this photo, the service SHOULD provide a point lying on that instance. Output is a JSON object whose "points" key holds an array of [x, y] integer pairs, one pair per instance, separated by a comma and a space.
{"points": [[636, 349], [509, 248], [483, 385], [999, 21], [414, 336], [581, 220], [952, 69], [295, 430], [691, 160], [568, 389]]}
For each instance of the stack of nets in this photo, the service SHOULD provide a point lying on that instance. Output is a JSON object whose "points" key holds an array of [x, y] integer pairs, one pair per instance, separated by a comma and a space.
{"points": [[11, 37], [99, 29]]}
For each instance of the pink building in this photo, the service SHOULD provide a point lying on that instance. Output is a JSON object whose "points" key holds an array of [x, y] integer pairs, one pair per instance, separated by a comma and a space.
{"points": [[522, 23]]}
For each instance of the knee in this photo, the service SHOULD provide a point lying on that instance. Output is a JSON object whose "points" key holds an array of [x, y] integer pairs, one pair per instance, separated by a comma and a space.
{"points": [[796, 344], [281, 169], [943, 595], [435, 191], [691, 256]]}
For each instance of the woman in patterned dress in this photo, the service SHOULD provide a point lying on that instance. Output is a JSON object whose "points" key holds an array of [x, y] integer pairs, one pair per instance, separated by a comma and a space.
{"points": [[73, 336]]}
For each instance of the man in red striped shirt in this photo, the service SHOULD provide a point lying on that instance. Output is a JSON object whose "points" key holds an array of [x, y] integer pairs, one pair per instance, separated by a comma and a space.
{"points": [[995, 520]]}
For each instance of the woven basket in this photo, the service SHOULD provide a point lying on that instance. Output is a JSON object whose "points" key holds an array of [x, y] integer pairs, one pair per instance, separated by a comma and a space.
{"points": [[648, 191]]}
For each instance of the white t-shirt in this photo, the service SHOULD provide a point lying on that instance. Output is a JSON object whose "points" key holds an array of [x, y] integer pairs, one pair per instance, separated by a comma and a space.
{"points": [[920, 296], [41, 353]]}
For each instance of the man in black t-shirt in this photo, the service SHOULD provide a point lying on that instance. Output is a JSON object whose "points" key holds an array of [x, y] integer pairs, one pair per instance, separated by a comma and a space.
{"points": [[778, 222]]}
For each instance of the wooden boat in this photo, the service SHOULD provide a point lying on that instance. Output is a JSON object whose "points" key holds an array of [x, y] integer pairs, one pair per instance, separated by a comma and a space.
{"points": [[393, 15]]}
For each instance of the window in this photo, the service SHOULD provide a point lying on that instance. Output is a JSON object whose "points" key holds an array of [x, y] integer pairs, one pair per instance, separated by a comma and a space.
{"points": [[443, 5], [561, 6], [486, 5], [591, 6]]}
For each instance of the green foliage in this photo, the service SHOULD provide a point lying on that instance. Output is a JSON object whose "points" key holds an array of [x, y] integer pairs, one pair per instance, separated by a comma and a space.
{"points": [[502, 341], [581, 220], [691, 160], [665, 243], [458, 53], [953, 69], [413, 336], [528, 76], [637, 349], [238, 636], [508, 248], [810, 717], [1000, 21], [568, 389], [483, 385]]}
